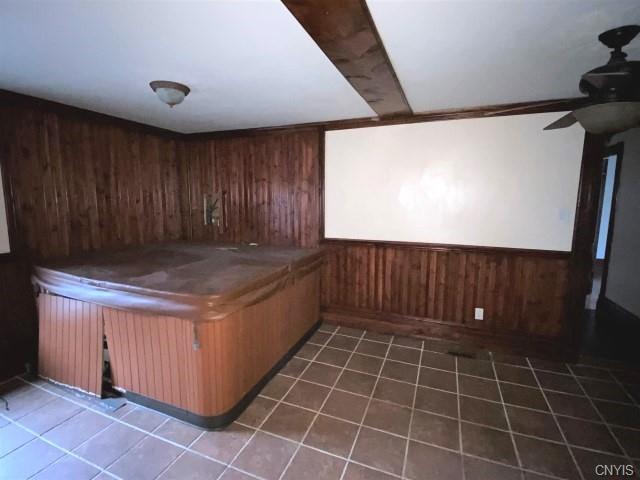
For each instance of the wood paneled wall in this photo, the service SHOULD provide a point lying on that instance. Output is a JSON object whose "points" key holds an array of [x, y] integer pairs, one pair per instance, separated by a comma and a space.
{"points": [[436, 289], [268, 186]]}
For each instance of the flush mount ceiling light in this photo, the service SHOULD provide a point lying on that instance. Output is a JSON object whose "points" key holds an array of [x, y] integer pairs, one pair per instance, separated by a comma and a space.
{"points": [[171, 93]]}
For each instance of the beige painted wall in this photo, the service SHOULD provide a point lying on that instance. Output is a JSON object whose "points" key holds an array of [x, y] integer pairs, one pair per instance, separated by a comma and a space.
{"points": [[623, 281], [500, 182], [4, 233]]}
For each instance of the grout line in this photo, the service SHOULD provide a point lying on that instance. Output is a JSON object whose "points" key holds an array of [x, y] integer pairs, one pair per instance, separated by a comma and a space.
{"points": [[364, 415], [321, 407], [463, 468], [264, 420], [198, 437], [615, 438], [413, 409], [558, 426], [49, 442]]}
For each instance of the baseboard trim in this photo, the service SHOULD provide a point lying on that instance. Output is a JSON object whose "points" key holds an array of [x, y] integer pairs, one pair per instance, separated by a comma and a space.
{"points": [[617, 312], [396, 324]]}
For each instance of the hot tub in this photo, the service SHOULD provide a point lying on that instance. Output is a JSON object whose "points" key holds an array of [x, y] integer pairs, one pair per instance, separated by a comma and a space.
{"points": [[192, 329]]}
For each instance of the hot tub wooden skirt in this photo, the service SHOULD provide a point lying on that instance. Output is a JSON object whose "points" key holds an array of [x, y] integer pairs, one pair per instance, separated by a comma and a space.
{"points": [[201, 372]]}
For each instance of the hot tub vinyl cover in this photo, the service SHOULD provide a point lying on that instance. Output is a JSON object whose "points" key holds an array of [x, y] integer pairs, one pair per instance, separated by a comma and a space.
{"points": [[198, 281]]}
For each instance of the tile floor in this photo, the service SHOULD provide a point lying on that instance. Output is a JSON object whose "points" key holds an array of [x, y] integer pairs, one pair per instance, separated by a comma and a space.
{"points": [[351, 405]]}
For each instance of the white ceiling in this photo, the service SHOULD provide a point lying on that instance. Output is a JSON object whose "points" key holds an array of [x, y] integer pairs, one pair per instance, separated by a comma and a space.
{"points": [[463, 53], [248, 63]]}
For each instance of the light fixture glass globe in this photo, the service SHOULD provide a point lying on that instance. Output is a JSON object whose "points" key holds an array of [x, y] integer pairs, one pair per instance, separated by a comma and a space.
{"points": [[612, 117], [171, 93], [170, 96]]}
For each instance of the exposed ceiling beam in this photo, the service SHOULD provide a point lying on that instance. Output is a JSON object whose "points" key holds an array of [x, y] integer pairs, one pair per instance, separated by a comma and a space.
{"points": [[345, 32]]}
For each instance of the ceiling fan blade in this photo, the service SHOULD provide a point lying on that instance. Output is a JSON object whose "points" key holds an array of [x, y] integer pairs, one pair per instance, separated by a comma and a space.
{"points": [[563, 122]]}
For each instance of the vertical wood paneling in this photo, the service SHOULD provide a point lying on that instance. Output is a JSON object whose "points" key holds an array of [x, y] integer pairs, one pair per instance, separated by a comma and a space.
{"points": [[62, 356], [521, 293], [267, 184]]}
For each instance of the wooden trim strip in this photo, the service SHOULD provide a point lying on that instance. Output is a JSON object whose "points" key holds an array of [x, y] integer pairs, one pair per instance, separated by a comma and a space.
{"points": [[346, 33], [329, 242]]}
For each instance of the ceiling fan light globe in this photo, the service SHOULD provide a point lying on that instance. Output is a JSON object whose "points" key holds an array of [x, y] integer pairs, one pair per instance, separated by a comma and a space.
{"points": [[612, 117], [170, 96]]}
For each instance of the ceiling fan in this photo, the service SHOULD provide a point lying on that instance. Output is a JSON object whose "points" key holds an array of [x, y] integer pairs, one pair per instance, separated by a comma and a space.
{"points": [[613, 103]]}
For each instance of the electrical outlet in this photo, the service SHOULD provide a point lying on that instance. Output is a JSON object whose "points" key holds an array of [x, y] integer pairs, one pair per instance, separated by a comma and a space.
{"points": [[479, 314]]}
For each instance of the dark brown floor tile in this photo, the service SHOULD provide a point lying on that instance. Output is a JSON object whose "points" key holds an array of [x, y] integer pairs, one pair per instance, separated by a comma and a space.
{"points": [[631, 377], [571, 405], [308, 395], [146, 460], [309, 463], [372, 348], [488, 443], [28, 460], [67, 468], [378, 337], [224, 444], [294, 367], [403, 354], [308, 351], [388, 417], [441, 361], [319, 338], [400, 371], [328, 327], [605, 390], [437, 379], [591, 372], [231, 474], [393, 391], [356, 382], [482, 411], [440, 464], [26, 401], [333, 356], [408, 342], [476, 469], [277, 387], [630, 440], [12, 437], [363, 363], [345, 405], [266, 456], [358, 472], [49, 416], [546, 457], [185, 434], [520, 375], [437, 402], [479, 387], [559, 383], [510, 359], [435, 345], [549, 366], [257, 411], [110, 444], [380, 450], [289, 422], [523, 396], [193, 467], [345, 343], [633, 391], [477, 368], [350, 332], [331, 435], [435, 429], [146, 419], [588, 461], [77, 429], [619, 414], [588, 435], [537, 424], [323, 374]]}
